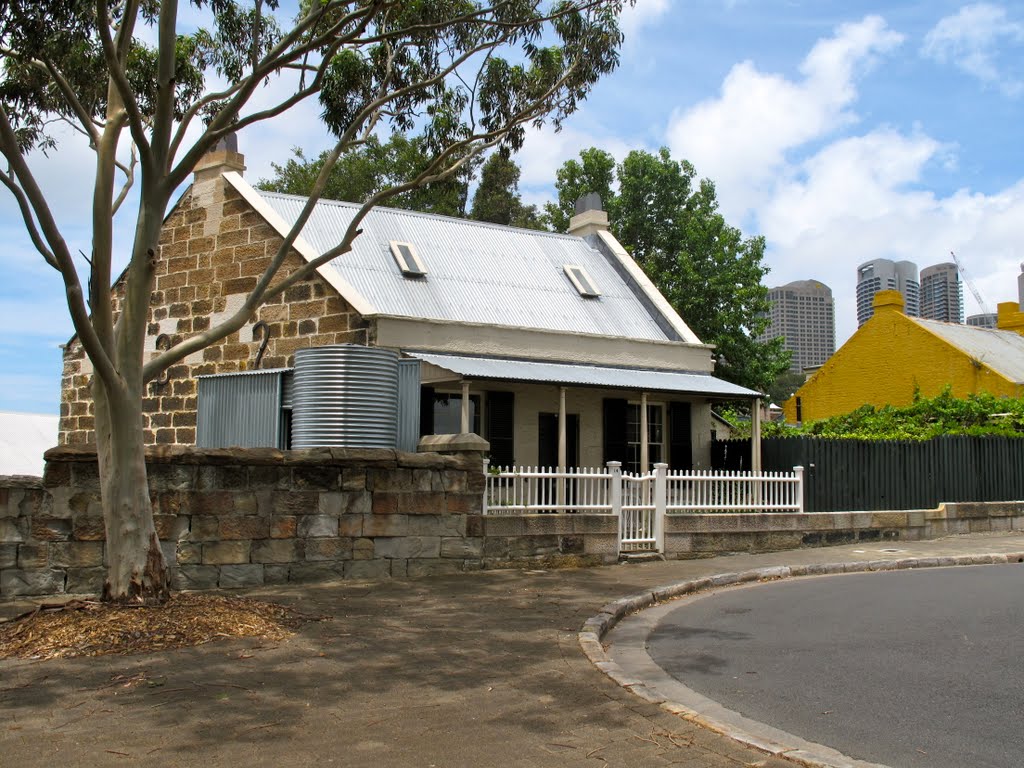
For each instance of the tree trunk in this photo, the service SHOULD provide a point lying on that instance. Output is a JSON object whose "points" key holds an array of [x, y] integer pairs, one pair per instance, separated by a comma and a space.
{"points": [[136, 571]]}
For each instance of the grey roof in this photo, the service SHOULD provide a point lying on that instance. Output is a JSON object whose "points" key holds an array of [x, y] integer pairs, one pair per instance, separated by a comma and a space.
{"points": [[1002, 351], [507, 369], [476, 272]]}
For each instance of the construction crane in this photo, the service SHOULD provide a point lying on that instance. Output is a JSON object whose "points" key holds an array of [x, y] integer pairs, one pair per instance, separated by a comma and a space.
{"points": [[970, 284]]}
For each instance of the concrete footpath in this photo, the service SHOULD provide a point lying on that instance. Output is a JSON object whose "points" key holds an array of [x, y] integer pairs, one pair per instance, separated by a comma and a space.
{"points": [[483, 669]]}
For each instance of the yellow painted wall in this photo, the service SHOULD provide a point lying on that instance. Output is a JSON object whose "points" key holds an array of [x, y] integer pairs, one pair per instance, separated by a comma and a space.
{"points": [[883, 362]]}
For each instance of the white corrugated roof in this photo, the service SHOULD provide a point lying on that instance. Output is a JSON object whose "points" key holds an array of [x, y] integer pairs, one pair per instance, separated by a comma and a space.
{"points": [[688, 382], [475, 272], [23, 439], [1002, 351]]}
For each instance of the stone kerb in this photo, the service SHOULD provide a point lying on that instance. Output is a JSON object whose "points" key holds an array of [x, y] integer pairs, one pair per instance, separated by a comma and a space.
{"points": [[246, 517]]}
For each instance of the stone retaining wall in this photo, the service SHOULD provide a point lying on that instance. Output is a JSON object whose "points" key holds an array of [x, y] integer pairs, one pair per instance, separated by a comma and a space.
{"points": [[242, 518]]}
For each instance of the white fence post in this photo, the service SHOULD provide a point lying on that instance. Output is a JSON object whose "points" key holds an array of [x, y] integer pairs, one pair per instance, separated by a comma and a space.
{"points": [[660, 504], [487, 483], [799, 488], [615, 494]]}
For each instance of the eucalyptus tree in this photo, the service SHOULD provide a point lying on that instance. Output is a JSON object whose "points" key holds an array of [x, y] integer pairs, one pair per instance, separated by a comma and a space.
{"points": [[151, 91]]}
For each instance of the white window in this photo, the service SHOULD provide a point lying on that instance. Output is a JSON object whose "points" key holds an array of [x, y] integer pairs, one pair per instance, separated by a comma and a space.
{"points": [[581, 280], [407, 259], [655, 435]]}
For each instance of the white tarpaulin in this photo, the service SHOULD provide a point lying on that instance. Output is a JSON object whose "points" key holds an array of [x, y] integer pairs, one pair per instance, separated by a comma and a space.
{"points": [[23, 439]]}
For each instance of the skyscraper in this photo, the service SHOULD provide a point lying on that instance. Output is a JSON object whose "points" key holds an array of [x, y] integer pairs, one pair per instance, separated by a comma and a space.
{"points": [[803, 313], [886, 275], [942, 293]]}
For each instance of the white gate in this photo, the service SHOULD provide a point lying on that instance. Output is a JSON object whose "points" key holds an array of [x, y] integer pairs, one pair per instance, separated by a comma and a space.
{"points": [[640, 501]]}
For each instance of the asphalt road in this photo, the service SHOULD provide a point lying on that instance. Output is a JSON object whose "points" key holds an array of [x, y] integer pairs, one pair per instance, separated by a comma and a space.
{"points": [[905, 668]]}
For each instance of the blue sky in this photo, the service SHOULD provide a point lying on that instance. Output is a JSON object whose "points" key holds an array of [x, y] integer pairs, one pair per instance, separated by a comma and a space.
{"points": [[841, 131]]}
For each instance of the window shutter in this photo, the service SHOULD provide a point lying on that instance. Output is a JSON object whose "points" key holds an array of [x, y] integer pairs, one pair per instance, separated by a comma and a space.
{"points": [[501, 427], [426, 411], [680, 447], [615, 444]]}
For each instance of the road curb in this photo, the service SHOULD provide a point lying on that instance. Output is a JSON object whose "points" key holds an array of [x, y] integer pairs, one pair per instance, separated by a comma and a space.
{"points": [[726, 722]]}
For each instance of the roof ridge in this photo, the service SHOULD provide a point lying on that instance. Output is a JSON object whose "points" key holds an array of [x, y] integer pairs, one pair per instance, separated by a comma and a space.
{"points": [[421, 214]]}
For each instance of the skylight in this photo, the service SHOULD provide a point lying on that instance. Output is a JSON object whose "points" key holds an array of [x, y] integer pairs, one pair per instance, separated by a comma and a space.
{"points": [[407, 259], [581, 280]]}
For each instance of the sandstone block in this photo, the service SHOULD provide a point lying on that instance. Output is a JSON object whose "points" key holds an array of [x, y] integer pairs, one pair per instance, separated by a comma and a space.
{"points": [[317, 526], [385, 525], [362, 549], [295, 502], [238, 576], [76, 554], [276, 551], [50, 529], [24, 583], [419, 568], [8, 555], [33, 555], [85, 581], [88, 528], [353, 480], [406, 547], [325, 570], [357, 503], [226, 552], [283, 526], [316, 478], [350, 525], [195, 577], [189, 553], [459, 548], [329, 549], [245, 527], [368, 569]]}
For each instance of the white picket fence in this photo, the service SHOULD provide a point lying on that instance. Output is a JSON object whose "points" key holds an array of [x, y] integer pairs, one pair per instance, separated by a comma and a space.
{"points": [[640, 501]]}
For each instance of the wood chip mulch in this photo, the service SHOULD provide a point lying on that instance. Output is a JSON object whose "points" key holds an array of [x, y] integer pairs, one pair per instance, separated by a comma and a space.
{"points": [[87, 628]]}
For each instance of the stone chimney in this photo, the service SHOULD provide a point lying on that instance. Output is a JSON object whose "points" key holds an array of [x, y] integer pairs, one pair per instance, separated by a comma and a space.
{"points": [[887, 301], [590, 216], [222, 158], [1009, 317]]}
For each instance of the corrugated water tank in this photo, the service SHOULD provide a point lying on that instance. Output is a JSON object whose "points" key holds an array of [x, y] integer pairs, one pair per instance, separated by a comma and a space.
{"points": [[345, 395], [243, 410]]}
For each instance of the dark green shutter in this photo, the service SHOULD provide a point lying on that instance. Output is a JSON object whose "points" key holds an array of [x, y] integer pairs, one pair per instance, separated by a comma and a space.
{"points": [[501, 427], [426, 411], [615, 439], [680, 447]]}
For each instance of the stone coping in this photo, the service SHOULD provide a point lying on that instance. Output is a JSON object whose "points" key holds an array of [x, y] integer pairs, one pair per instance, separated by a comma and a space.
{"points": [[708, 714], [365, 457]]}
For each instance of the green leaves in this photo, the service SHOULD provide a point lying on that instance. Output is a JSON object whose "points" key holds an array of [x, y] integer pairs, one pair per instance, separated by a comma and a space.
{"points": [[346, 91], [669, 222], [925, 418]]}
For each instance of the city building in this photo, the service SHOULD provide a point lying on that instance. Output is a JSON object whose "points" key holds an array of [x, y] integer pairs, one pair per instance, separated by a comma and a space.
{"points": [[803, 313], [942, 293], [887, 275], [984, 320]]}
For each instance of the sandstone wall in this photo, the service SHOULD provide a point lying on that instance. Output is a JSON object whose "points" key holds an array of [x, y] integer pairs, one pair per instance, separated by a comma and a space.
{"points": [[212, 250], [234, 518]]}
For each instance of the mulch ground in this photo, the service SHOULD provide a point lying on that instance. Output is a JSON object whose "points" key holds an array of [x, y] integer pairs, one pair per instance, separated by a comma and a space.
{"points": [[88, 628]]}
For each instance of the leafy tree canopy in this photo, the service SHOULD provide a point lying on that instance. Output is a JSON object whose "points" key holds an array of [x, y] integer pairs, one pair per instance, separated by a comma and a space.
{"points": [[497, 197], [372, 168], [669, 222]]}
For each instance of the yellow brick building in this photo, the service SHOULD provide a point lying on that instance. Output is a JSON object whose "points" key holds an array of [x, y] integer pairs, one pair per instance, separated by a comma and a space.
{"points": [[892, 355]]}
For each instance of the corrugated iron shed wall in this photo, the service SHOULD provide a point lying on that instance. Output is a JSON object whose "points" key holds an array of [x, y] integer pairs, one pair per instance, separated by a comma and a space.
{"points": [[408, 405], [240, 410]]}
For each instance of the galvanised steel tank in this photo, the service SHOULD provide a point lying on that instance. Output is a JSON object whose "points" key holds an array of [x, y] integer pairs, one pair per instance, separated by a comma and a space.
{"points": [[346, 396]]}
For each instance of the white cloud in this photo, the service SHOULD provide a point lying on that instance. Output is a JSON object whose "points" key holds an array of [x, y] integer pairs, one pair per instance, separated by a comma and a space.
{"points": [[741, 138], [643, 14], [860, 198], [971, 40]]}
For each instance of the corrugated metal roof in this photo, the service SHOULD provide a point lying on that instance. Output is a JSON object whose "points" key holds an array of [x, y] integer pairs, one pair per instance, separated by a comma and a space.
{"points": [[1002, 351], [23, 439], [586, 375], [475, 272]]}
